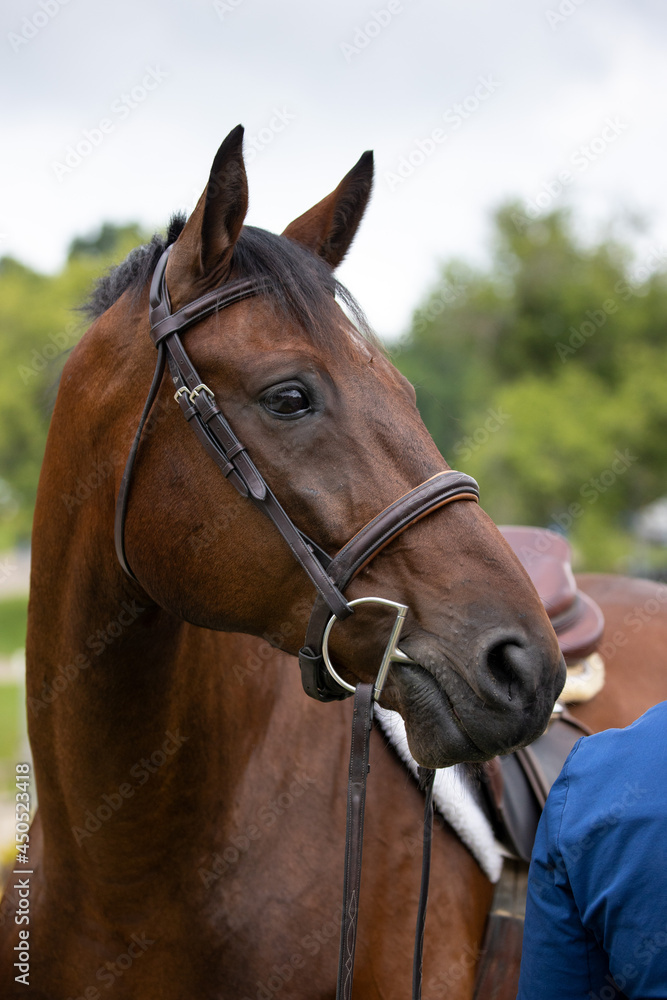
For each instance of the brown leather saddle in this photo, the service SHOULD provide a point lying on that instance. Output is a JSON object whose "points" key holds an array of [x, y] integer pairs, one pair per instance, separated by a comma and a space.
{"points": [[576, 619], [515, 787]]}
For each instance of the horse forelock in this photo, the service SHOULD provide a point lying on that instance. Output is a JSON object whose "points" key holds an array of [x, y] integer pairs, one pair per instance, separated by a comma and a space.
{"points": [[299, 285]]}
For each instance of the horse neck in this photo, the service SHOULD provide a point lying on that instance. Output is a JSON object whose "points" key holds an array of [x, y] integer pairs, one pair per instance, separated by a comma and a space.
{"points": [[143, 728], [132, 712]]}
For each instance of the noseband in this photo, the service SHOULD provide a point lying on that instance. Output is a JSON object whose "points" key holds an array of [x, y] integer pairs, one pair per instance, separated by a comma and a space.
{"points": [[330, 575]]}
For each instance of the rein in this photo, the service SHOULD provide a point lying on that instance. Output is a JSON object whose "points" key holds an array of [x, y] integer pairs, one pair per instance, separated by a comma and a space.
{"points": [[330, 576], [362, 723]]}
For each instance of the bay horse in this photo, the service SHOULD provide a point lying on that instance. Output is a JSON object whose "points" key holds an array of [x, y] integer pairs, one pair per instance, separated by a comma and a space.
{"points": [[188, 840]]}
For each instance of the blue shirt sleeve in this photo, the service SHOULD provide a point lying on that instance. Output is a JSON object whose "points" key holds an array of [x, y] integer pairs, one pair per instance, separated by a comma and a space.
{"points": [[596, 912], [561, 960]]}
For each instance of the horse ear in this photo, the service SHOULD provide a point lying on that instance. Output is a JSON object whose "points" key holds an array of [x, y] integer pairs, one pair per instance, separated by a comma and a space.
{"points": [[205, 246], [330, 226]]}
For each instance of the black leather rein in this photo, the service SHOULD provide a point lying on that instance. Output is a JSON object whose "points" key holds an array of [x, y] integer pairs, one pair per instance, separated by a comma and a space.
{"points": [[330, 576]]}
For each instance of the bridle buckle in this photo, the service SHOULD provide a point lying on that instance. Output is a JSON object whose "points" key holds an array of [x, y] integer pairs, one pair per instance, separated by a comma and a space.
{"points": [[200, 388], [392, 654]]}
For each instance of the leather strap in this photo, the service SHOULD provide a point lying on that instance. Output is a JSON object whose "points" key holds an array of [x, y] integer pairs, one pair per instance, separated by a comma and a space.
{"points": [[193, 312], [124, 491], [535, 776], [426, 780], [436, 492], [497, 975], [514, 788], [218, 439], [164, 322], [362, 721]]}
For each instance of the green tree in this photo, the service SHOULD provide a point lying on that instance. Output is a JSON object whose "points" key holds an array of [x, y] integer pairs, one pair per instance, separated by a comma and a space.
{"points": [[39, 324], [545, 377]]}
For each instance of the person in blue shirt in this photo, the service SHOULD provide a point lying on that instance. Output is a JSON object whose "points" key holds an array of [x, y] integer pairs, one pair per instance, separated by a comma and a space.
{"points": [[596, 913]]}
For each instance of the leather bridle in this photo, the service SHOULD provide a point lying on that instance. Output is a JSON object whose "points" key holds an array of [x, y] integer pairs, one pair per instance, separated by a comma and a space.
{"points": [[330, 575]]}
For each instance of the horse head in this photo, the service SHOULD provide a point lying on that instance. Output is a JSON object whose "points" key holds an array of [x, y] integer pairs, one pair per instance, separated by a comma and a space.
{"points": [[334, 429]]}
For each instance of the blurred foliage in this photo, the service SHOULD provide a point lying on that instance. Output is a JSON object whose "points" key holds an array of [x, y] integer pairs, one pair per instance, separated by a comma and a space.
{"points": [[39, 324], [545, 378], [13, 624], [12, 696]]}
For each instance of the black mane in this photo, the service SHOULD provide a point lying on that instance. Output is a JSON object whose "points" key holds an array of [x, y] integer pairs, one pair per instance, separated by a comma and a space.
{"points": [[300, 284], [133, 272]]}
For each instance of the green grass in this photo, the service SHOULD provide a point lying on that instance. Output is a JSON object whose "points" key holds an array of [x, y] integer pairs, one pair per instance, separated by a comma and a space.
{"points": [[11, 697], [13, 617], [13, 620], [9, 715]]}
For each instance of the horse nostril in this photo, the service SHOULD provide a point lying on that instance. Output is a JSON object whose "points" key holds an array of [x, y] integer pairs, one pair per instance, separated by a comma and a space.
{"points": [[510, 666]]}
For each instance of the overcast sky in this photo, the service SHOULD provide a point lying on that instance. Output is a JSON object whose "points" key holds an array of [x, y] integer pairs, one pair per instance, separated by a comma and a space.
{"points": [[114, 111]]}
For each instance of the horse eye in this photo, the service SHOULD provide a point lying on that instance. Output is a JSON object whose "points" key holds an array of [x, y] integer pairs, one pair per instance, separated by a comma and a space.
{"points": [[287, 401]]}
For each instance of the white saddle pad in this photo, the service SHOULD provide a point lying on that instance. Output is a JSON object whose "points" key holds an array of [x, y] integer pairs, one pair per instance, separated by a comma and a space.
{"points": [[453, 797]]}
